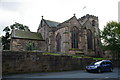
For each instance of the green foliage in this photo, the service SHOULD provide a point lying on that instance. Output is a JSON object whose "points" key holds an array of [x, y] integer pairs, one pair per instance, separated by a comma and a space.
{"points": [[72, 55], [76, 57], [65, 32], [19, 26], [5, 42], [50, 53], [80, 56], [30, 46], [111, 37], [7, 30], [101, 58]]}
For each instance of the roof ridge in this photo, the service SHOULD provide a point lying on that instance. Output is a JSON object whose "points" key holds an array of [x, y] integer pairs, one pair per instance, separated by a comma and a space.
{"points": [[70, 19], [67, 20], [52, 21]]}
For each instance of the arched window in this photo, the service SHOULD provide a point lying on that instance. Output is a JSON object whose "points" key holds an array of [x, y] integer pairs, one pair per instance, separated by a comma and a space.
{"points": [[74, 37], [58, 41], [89, 39], [93, 22]]}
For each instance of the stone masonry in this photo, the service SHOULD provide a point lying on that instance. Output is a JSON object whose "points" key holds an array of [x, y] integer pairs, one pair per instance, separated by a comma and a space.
{"points": [[88, 34], [28, 62]]}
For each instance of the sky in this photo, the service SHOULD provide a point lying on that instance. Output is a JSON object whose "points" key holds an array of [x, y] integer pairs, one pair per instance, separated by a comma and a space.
{"points": [[29, 12]]}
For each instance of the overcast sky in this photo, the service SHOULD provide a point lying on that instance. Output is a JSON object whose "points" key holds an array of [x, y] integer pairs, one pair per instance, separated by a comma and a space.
{"points": [[29, 12]]}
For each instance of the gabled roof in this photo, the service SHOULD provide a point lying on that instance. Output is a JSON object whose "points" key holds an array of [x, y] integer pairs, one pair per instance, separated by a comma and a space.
{"points": [[52, 23], [26, 35], [70, 19], [74, 17]]}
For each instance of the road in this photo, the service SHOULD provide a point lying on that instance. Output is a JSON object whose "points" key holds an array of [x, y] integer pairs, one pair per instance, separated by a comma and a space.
{"points": [[68, 74]]}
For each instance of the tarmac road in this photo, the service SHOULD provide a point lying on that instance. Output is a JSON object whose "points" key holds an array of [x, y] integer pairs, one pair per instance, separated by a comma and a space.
{"points": [[67, 75]]}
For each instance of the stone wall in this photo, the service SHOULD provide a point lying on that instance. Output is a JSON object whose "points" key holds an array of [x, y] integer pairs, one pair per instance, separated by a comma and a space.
{"points": [[21, 44], [28, 62]]}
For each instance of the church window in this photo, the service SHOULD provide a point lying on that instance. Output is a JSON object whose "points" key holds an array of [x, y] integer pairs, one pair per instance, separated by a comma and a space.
{"points": [[74, 37], [93, 22], [89, 39], [58, 42]]}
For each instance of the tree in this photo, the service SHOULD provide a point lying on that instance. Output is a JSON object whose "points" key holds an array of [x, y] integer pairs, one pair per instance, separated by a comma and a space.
{"points": [[5, 39], [8, 29], [110, 37], [19, 26]]}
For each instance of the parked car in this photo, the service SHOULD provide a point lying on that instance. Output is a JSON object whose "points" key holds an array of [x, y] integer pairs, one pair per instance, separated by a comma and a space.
{"points": [[100, 66]]}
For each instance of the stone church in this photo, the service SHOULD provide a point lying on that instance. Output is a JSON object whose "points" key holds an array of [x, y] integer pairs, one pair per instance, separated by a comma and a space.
{"points": [[73, 36]]}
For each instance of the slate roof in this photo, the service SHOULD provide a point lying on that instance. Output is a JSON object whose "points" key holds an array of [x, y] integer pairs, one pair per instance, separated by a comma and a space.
{"points": [[26, 35], [52, 23]]}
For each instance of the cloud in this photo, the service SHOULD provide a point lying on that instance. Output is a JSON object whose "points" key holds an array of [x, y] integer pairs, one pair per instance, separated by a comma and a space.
{"points": [[7, 18], [29, 12], [10, 6]]}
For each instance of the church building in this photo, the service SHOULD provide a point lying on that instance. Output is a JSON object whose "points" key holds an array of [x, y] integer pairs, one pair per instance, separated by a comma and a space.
{"points": [[73, 36]]}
